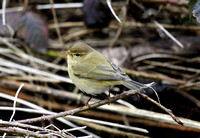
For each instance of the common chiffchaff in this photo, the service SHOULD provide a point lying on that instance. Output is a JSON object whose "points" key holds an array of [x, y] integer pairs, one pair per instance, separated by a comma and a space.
{"points": [[93, 73]]}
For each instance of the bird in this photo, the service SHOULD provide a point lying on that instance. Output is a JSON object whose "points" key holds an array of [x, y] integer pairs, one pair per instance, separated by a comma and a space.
{"points": [[93, 73]]}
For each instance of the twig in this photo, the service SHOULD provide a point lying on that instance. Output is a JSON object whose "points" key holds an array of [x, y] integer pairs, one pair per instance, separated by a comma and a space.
{"points": [[66, 25], [42, 110], [176, 2], [23, 77], [156, 119], [76, 119], [32, 70], [14, 104], [80, 4], [80, 109], [3, 12], [56, 23], [15, 124], [15, 100], [149, 56], [117, 125], [113, 12], [23, 132], [84, 108], [124, 94], [124, 12], [167, 65], [50, 91], [162, 107], [23, 55], [26, 2], [168, 34], [11, 71], [46, 6], [79, 33], [37, 89], [114, 131], [74, 129], [122, 102], [127, 24], [154, 76]]}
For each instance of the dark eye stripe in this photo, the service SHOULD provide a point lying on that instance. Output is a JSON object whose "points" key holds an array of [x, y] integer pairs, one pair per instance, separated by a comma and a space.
{"points": [[77, 55]]}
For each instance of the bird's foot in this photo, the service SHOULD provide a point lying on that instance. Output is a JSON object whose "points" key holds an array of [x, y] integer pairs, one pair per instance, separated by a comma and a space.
{"points": [[87, 103], [108, 98]]}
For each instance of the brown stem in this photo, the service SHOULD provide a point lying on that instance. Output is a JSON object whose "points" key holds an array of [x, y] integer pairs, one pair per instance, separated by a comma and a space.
{"points": [[162, 107], [23, 132], [97, 104], [81, 109]]}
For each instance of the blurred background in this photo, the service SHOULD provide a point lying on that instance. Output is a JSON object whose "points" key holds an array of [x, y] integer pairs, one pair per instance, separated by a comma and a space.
{"points": [[152, 40]]}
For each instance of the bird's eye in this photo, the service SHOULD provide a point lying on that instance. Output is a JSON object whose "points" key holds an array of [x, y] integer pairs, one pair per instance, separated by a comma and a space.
{"points": [[77, 55]]}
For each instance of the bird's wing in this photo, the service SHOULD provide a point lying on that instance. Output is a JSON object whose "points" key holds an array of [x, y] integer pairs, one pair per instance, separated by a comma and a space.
{"points": [[99, 71]]}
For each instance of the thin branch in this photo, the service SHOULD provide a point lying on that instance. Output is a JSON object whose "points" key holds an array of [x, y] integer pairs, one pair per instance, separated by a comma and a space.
{"points": [[15, 100], [168, 34], [26, 2], [75, 119], [10, 64], [56, 23], [23, 132], [156, 119], [14, 105], [114, 131], [46, 6], [162, 107], [113, 12], [91, 106], [150, 56], [23, 55], [159, 77], [15, 124], [117, 125], [127, 24], [3, 12], [80, 4], [176, 67], [79, 33], [175, 2], [124, 12], [81, 109], [42, 110]]}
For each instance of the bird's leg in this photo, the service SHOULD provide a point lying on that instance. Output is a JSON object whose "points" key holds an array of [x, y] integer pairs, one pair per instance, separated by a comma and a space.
{"points": [[87, 103], [108, 97], [137, 95]]}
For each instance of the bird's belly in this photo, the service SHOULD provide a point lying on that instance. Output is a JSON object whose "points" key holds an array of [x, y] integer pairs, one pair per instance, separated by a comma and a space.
{"points": [[90, 86]]}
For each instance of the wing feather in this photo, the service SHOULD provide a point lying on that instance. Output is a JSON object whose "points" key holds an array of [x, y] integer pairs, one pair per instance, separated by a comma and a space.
{"points": [[103, 70]]}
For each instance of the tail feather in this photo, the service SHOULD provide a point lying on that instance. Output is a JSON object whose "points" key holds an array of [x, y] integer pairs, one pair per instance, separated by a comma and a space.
{"points": [[133, 85]]}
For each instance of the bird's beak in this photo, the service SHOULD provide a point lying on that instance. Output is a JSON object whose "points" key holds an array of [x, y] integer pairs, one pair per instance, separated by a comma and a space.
{"points": [[67, 52]]}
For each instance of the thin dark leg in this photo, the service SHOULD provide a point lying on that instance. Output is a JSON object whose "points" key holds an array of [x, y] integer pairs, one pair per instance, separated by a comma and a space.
{"points": [[108, 97], [87, 103]]}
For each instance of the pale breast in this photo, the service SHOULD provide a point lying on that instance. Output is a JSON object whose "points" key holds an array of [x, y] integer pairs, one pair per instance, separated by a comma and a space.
{"points": [[89, 86]]}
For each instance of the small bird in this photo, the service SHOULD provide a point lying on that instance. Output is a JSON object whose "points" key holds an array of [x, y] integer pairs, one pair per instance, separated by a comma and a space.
{"points": [[93, 73]]}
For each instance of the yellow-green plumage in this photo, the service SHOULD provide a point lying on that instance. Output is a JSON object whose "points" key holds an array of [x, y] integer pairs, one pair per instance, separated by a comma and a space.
{"points": [[92, 73]]}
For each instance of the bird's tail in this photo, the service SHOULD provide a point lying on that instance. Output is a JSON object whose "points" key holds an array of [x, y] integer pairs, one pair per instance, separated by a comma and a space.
{"points": [[133, 85]]}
